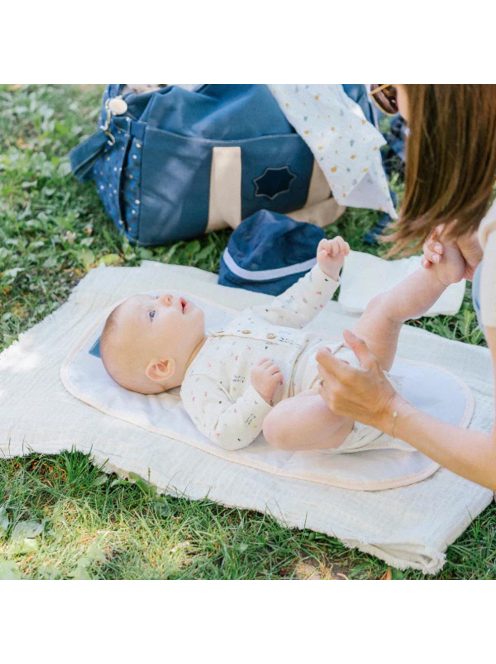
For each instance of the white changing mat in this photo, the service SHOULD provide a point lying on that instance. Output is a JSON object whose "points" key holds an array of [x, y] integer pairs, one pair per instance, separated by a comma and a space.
{"points": [[410, 526], [389, 463]]}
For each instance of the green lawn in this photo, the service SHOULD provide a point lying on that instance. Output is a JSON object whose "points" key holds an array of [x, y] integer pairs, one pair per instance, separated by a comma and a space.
{"points": [[91, 525]]}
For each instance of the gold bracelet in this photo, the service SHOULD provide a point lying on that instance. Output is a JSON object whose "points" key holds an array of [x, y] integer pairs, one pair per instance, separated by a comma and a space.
{"points": [[395, 417]]}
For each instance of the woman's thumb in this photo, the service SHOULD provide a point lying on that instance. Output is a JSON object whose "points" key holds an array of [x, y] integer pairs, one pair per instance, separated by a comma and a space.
{"points": [[360, 348]]}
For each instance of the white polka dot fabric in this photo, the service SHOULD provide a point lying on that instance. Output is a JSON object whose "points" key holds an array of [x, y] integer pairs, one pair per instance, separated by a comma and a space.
{"points": [[345, 145]]}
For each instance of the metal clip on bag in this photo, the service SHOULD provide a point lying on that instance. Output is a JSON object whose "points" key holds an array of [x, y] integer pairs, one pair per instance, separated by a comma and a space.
{"points": [[172, 164]]}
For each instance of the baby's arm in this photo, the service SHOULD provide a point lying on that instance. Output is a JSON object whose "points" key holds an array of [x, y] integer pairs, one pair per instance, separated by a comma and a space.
{"points": [[298, 305], [380, 324], [230, 424]]}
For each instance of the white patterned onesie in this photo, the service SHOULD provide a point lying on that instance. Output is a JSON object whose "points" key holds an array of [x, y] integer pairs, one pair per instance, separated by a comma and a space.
{"points": [[216, 391]]}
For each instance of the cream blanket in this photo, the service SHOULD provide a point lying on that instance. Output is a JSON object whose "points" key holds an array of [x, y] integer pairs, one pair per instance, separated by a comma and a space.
{"points": [[407, 527]]}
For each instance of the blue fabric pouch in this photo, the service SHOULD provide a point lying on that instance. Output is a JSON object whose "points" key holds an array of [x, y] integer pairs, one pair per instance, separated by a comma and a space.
{"points": [[151, 159], [269, 252]]}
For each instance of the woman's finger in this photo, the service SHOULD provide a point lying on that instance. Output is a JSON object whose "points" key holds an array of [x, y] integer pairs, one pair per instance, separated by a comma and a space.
{"points": [[329, 362], [328, 390], [437, 233], [360, 348], [434, 246], [327, 379]]}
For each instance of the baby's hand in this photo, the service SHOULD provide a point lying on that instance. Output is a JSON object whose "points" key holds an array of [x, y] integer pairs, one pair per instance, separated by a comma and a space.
{"points": [[468, 245], [432, 248], [331, 255], [450, 267], [266, 378]]}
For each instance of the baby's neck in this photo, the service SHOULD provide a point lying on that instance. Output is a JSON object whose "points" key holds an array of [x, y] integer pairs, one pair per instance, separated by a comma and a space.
{"points": [[195, 352]]}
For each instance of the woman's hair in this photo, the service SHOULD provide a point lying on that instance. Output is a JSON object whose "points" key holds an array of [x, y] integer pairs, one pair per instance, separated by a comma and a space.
{"points": [[450, 161]]}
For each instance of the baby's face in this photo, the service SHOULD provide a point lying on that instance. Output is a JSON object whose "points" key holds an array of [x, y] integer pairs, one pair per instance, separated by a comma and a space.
{"points": [[165, 326]]}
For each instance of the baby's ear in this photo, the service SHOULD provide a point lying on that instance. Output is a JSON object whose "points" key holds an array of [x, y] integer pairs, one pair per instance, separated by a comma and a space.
{"points": [[160, 371]]}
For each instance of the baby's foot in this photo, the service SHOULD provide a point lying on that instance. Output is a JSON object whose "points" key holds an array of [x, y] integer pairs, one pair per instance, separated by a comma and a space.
{"points": [[451, 266], [331, 255]]}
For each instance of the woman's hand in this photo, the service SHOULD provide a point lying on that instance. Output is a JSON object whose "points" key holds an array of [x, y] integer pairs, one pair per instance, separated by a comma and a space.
{"points": [[363, 394], [467, 244]]}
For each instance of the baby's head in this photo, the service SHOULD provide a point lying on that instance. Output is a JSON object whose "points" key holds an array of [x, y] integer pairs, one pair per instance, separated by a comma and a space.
{"points": [[148, 340]]}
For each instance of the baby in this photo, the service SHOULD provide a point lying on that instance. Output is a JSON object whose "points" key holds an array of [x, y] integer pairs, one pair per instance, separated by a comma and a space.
{"points": [[260, 373]]}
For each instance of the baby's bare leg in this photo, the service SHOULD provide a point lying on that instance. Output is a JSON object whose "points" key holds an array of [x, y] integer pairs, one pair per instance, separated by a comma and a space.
{"points": [[380, 324], [304, 422]]}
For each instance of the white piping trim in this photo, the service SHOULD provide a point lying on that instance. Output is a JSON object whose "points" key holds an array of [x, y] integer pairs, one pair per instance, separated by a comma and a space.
{"points": [[264, 275]]}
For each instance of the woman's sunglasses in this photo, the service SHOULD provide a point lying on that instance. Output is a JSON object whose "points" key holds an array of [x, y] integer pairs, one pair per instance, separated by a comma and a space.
{"points": [[384, 97]]}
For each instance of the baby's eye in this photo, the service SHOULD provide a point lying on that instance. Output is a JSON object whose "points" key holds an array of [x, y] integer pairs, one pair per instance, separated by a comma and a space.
{"points": [[151, 314]]}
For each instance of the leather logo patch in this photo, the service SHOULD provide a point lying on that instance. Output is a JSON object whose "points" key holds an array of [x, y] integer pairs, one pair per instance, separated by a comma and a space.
{"points": [[273, 182]]}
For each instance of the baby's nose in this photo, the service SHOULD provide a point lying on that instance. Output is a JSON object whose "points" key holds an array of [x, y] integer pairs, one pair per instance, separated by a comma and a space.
{"points": [[167, 299]]}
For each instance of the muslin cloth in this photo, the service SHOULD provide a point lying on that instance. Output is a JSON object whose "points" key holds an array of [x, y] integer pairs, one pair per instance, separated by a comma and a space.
{"points": [[410, 526]]}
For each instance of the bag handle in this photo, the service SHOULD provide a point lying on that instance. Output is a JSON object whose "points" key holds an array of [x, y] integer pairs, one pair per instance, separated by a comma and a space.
{"points": [[224, 206]]}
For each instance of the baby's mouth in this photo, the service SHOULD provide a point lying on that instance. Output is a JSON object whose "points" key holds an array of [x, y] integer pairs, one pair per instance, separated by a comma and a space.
{"points": [[183, 304]]}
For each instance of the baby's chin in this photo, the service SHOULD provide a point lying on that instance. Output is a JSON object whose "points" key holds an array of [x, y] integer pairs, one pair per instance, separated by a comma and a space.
{"points": [[200, 315]]}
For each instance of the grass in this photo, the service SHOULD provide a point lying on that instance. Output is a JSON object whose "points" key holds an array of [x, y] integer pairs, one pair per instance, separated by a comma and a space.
{"points": [[60, 516]]}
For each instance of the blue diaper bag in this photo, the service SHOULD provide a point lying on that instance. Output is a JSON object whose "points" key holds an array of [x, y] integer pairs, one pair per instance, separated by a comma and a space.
{"points": [[151, 159]]}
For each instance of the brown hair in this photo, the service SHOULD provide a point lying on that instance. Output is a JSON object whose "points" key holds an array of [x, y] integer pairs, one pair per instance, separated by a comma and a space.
{"points": [[450, 161]]}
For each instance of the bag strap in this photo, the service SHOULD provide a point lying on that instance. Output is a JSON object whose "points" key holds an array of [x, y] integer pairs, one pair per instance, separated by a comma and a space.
{"points": [[84, 155]]}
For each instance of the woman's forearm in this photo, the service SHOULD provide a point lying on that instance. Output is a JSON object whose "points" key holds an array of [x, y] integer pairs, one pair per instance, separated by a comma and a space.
{"points": [[468, 453]]}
